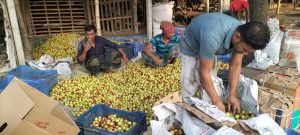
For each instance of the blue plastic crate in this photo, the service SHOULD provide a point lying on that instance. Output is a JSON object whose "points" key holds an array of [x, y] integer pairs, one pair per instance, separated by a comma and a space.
{"points": [[291, 132], [224, 58], [86, 119], [129, 50], [135, 38], [137, 47], [42, 80]]}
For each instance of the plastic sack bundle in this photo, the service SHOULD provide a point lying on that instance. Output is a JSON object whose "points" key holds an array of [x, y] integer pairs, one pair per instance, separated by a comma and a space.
{"points": [[43, 81]]}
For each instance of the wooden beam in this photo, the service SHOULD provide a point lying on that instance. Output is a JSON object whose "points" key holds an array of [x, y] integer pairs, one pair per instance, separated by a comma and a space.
{"points": [[16, 31], [207, 6], [135, 20], [149, 19], [220, 8], [97, 13], [23, 30], [278, 7]]}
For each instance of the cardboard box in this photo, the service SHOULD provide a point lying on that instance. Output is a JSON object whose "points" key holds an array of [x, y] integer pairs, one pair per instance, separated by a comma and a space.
{"points": [[284, 71], [285, 84], [278, 106], [176, 98], [27, 111]]}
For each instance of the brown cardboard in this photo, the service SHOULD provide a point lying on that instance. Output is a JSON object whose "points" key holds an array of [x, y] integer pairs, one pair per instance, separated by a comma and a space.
{"points": [[271, 101], [204, 117], [175, 97], [284, 70], [30, 112], [285, 84]]}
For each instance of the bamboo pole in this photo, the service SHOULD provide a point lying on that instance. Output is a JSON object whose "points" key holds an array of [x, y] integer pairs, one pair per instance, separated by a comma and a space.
{"points": [[16, 31], [278, 7], [149, 19], [135, 19], [207, 6], [97, 12], [24, 32], [220, 8]]}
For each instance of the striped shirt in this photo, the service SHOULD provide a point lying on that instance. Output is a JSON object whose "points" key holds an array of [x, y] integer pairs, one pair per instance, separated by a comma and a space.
{"points": [[162, 49]]}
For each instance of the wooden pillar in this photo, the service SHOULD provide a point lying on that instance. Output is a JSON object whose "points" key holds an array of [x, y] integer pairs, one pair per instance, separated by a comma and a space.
{"points": [[207, 6], [149, 19], [23, 30], [135, 20], [278, 7], [16, 31], [220, 8], [87, 9], [97, 13]]}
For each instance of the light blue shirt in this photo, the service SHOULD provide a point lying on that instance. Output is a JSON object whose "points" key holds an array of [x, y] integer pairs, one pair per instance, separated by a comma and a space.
{"points": [[208, 35]]}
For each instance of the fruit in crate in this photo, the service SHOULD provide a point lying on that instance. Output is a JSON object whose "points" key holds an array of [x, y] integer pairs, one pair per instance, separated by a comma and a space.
{"points": [[243, 115], [176, 130], [136, 88], [113, 123]]}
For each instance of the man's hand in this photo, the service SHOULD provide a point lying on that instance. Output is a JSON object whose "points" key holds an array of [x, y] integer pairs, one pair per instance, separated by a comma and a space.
{"points": [[87, 46], [234, 104], [219, 104], [158, 61]]}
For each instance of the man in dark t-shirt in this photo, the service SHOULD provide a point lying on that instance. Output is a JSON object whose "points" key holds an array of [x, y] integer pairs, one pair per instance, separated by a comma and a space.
{"points": [[91, 52]]}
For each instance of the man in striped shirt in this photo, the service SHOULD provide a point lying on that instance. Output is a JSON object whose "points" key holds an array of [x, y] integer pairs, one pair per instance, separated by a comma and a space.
{"points": [[165, 45]]}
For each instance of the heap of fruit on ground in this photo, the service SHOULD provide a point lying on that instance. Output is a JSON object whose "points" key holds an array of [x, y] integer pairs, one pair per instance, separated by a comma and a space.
{"points": [[137, 87], [59, 46]]}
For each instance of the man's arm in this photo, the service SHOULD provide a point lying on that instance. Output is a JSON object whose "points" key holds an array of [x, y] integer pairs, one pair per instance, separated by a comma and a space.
{"points": [[234, 77], [147, 51], [207, 83], [111, 44], [123, 55]]}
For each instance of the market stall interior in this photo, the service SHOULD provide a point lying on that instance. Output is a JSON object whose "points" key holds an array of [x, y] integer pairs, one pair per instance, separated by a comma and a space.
{"points": [[49, 50]]}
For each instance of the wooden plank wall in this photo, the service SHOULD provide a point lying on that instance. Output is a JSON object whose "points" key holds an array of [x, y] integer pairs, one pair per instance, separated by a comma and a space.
{"points": [[116, 16], [49, 17]]}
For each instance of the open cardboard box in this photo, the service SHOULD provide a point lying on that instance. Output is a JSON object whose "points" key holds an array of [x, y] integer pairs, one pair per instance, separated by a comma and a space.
{"points": [[26, 111], [176, 98]]}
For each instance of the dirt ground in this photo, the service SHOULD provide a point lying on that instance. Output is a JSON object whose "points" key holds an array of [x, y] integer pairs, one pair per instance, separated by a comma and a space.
{"points": [[287, 15]]}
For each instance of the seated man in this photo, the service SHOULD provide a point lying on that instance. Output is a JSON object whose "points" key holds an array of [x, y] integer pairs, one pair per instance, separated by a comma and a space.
{"points": [[91, 52], [237, 7], [165, 45]]}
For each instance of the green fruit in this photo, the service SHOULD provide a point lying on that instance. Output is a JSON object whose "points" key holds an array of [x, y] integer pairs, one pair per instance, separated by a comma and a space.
{"points": [[237, 116], [137, 87], [243, 112]]}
